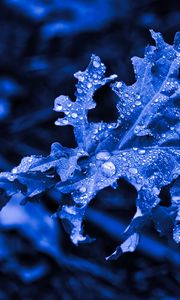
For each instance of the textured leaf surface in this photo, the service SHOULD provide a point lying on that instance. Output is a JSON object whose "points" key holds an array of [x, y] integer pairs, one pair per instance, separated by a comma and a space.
{"points": [[141, 147]]}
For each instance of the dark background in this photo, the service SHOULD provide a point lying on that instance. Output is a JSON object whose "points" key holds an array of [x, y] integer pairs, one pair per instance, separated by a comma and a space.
{"points": [[42, 44]]}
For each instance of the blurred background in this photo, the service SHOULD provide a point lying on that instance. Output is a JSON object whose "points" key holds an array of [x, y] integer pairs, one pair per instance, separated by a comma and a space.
{"points": [[42, 44]]}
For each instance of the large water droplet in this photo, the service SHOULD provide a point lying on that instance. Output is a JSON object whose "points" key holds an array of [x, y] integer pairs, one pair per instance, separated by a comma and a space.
{"points": [[108, 169]]}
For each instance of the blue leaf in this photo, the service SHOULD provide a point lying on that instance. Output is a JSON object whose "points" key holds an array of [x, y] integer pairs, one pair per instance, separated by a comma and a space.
{"points": [[141, 147], [75, 113]]}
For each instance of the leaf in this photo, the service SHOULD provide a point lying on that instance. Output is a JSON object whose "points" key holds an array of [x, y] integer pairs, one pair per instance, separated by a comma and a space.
{"points": [[128, 246], [75, 113], [31, 177], [140, 147]]}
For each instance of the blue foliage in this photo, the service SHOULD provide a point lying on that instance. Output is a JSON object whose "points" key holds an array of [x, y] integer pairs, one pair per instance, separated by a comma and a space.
{"points": [[66, 17], [141, 147]]}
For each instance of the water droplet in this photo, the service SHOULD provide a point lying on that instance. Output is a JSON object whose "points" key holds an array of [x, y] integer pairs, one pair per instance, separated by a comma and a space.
{"points": [[119, 84], [103, 155], [140, 130], [79, 91], [112, 77], [81, 78], [138, 103], [82, 189], [108, 169], [74, 115], [96, 64], [155, 191], [58, 107], [89, 85], [14, 170], [141, 151], [133, 171]]}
